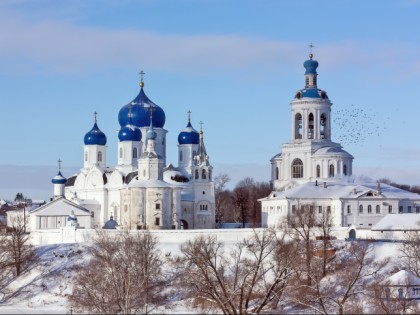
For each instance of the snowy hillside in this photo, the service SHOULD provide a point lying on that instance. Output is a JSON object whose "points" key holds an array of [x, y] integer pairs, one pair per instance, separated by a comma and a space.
{"points": [[44, 288]]}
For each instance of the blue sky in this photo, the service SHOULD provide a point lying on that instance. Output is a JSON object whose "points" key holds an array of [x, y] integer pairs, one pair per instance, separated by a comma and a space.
{"points": [[235, 64]]}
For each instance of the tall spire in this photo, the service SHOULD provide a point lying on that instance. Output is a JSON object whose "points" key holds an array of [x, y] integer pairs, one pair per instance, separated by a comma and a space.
{"points": [[151, 134], [202, 156]]}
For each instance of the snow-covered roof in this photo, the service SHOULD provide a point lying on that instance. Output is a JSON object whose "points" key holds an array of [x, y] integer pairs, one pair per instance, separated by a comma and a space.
{"points": [[151, 183], [401, 278], [341, 189], [399, 222], [170, 174], [60, 207]]}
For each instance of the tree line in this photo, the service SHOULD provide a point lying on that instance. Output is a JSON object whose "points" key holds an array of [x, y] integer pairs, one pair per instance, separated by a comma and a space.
{"points": [[241, 204]]}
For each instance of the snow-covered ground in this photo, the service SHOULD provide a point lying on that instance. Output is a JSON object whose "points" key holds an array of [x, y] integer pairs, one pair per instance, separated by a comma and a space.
{"points": [[44, 288]]}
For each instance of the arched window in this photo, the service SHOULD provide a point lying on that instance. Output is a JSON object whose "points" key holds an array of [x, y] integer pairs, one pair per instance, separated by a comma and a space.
{"points": [[277, 172], [361, 209], [86, 156], [331, 170], [345, 169], [318, 171], [180, 155], [99, 156], [323, 126], [121, 153], [298, 126], [134, 153], [203, 174], [196, 174], [306, 81], [209, 174], [311, 126], [400, 294], [378, 209], [369, 209], [297, 168]]}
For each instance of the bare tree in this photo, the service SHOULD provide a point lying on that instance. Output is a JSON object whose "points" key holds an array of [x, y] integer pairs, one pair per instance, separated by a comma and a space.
{"points": [[341, 291], [220, 182], [246, 195], [410, 250], [18, 253], [301, 227], [124, 275], [324, 221], [247, 279], [241, 199]]}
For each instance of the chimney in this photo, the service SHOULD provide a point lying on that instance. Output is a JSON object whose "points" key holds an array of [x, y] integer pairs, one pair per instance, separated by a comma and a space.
{"points": [[354, 191], [325, 185], [316, 183]]}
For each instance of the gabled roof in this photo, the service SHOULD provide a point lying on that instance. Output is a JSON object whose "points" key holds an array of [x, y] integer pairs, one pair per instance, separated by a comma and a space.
{"points": [[342, 190], [401, 278], [399, 222], [60, 206]]}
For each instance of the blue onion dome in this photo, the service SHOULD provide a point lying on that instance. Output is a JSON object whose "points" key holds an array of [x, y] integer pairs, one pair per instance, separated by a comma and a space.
{"points": [[310, 65], [95, 136], [189, 135], [59, 179], [129, 133], [140, 108]]}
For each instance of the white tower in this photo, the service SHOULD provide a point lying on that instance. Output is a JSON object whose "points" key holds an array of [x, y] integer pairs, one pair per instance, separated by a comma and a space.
{"points": [[311, 155], [95, 147], [188, 143], [150, 163], [203, 186], [59, 182]]}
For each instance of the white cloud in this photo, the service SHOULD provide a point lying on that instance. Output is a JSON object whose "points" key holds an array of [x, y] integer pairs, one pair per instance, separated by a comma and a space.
{"points": [[62, 46]]}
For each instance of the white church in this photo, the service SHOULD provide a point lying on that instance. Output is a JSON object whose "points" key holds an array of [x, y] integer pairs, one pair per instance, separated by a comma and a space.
{"points": [[141, 191], [313, 171]]}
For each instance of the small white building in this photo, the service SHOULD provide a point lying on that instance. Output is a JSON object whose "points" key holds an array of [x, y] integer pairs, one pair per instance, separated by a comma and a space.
{"points": [[402, 285], [56, 214], [396, 226]]}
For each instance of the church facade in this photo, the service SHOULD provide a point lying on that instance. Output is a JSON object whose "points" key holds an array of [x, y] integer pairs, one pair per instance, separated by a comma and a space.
{"points": [[142, 191], [312, 171]]}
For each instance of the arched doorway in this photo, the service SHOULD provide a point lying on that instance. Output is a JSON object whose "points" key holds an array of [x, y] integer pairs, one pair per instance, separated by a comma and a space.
{"points": [[184, 225], [352, 234]]}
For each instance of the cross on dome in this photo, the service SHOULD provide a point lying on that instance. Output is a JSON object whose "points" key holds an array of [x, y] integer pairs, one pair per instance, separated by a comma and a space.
{"points": [[310, 50], [59, 164], [95, 116], [142, 73], [189, 116]]}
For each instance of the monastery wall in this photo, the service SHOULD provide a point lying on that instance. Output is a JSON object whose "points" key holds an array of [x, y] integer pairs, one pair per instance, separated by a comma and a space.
{"points": [[72, 235]]}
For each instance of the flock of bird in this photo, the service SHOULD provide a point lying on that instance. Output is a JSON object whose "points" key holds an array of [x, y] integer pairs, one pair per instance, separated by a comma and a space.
{"points": [[353, 125]]}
